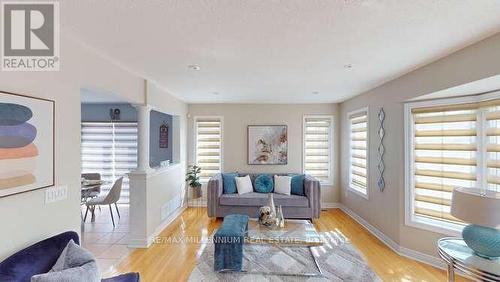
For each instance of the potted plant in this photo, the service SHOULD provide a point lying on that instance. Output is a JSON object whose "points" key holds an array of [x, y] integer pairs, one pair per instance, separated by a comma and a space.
{"points": [[193, 179]]}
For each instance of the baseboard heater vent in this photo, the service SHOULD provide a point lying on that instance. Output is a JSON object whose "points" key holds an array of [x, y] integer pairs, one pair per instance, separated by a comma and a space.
{"points": [[168, 208]]}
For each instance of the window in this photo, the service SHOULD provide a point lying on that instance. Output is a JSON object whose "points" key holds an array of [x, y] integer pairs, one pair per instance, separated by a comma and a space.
{"points": [[358, 167], [318, 147], [110, 149], [208, 146], [450, 143]]}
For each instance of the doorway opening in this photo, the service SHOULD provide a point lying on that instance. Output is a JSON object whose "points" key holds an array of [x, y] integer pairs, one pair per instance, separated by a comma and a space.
{"points": [[108, 154]]}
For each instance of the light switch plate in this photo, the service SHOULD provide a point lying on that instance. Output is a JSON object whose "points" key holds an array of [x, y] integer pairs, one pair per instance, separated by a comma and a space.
{"points": [[56, 193]]}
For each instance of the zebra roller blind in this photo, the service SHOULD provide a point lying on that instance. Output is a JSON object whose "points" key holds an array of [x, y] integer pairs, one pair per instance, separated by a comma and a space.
{"points": [[208, 146], [453, 146], [109, 148], [358, 179], [492, 147], [317, 147]]}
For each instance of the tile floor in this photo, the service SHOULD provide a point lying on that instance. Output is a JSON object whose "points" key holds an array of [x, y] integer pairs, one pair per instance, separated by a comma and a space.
{"points": [[108, 244]]}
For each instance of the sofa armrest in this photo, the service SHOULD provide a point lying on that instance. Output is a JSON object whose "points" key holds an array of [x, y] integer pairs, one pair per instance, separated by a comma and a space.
{"points": [[312, 189], [35, 259], [214, 191]]}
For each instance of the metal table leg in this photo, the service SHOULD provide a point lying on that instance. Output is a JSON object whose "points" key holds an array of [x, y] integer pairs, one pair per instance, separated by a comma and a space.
{"points": [[451, 272]]}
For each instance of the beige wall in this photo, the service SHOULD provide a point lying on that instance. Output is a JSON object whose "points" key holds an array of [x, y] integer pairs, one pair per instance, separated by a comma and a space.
{"points": [[25, 217], [385, 210], [238, 116]]}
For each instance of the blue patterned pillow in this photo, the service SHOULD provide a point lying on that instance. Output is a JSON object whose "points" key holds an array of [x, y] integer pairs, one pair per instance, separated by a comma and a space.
{"points": [[264, 184], [229, 182], [298, 184]]}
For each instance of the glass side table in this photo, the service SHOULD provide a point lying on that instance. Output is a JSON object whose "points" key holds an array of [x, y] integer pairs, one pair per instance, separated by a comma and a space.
{"points": [[458, 256]]}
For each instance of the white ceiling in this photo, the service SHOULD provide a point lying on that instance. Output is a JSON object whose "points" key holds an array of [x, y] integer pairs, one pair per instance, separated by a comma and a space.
{"points": [[266, 51]]}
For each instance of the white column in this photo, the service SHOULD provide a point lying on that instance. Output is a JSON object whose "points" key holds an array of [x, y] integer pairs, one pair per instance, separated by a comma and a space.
{"points": [[143, 112]]}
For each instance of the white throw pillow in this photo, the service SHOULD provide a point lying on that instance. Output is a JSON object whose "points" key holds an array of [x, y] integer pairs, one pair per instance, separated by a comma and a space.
{"points": [[282, 184], [244, 184]]}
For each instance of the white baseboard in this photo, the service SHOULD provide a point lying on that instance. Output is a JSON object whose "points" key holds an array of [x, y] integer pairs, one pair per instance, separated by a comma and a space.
{"points": [[146, 242], [165, 223], [325, 206], [197, 203], [402, 251]]}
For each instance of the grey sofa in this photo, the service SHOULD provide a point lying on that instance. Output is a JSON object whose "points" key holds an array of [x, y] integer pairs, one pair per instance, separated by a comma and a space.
{"points": [[294, 206]]}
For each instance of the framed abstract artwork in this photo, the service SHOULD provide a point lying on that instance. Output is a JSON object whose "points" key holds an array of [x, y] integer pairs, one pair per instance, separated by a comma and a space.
{"points": [[267, 145], [26, 143]]}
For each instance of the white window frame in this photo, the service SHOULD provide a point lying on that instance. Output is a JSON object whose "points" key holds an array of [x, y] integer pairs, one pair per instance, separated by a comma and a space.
{"points": [[330, 146], [195, 140], [412, 220], [349, 187]]}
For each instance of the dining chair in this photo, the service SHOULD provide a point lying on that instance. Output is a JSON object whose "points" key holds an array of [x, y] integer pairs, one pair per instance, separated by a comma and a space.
{"points": [[109, 199]]}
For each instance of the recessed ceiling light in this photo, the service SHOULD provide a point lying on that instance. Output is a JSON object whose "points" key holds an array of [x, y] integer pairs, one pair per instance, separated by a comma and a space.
{"points": [[194, 67], [348, 66], [315, 92]]}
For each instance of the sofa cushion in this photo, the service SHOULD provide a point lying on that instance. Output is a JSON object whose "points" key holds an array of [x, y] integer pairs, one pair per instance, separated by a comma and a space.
{"points": [[244, 185], [298, 184], [260, 199], [263, 184], [229, 182], [86, 273], [74, 264], [72, 256], [283, 184]]}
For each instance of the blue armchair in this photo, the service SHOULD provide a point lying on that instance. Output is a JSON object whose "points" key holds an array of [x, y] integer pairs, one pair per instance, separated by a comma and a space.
{"points": [[40, 257]]}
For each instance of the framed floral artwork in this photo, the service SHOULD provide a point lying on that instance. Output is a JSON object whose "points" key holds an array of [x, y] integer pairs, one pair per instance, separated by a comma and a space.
{"points": [[267, 145]]}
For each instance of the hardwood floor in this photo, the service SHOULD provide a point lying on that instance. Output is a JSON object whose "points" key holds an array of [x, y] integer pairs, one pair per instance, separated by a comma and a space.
{"points": [[173, 260]]}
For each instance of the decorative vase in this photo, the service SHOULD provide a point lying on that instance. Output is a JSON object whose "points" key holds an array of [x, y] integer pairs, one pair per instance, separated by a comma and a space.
{"points": [[196, 192], [484, 241], [270, 203], [281, 218]]}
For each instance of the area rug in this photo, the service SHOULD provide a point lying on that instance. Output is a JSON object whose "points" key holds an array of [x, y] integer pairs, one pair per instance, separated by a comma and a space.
{"points": [[337, 259]]}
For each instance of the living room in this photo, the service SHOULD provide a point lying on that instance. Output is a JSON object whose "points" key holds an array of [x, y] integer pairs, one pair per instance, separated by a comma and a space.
{"points": [[263, 140]]}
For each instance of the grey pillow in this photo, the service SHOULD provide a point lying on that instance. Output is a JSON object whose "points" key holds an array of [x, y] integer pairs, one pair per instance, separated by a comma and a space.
{"points": [[74, 264]]}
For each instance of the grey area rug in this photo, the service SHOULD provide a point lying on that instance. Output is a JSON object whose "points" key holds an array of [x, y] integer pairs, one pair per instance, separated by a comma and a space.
{"points": [[337, 258]]}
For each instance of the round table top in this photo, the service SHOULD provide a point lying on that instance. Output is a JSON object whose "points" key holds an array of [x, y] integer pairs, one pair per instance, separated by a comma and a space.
{"points": [[92, 185], [455, 250]]}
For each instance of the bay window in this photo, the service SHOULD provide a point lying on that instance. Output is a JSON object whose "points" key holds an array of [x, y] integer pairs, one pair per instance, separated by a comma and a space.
{"points": [[449, 143]]}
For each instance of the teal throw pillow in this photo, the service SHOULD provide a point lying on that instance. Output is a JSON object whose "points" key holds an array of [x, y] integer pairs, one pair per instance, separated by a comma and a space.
{"points": [[298, 184], [264, 184], [229, 182]]}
